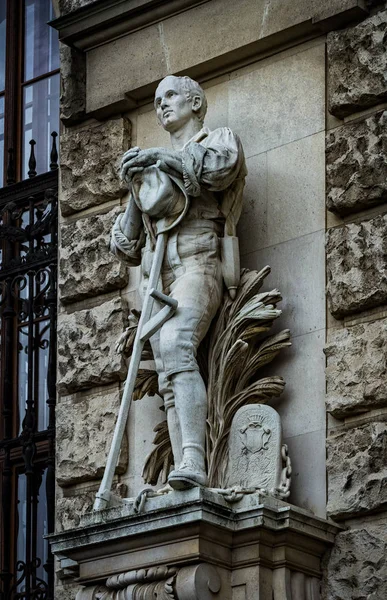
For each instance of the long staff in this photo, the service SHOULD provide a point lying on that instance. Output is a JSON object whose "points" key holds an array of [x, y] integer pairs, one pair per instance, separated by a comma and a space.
{"points": [[147, 326]]}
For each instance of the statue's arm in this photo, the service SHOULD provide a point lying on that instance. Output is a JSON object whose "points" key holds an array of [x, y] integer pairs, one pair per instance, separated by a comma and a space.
{"points": [[136, 160], [128, 236], [215, 163]]}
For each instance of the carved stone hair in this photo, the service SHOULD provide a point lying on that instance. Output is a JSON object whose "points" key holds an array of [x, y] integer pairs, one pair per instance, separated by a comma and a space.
{"points": [[192, 88]]}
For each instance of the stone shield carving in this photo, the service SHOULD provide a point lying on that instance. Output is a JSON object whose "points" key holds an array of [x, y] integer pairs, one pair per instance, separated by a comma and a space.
{"points": [[255, 448]]}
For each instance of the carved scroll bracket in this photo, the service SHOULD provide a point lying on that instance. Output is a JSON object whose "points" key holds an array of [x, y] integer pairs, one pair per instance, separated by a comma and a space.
{"points": [[198, 582]]}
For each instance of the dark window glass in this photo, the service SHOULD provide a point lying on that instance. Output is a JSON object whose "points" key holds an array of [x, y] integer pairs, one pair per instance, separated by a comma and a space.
{"points": [[41, 48], [1, 139], [2, 44], [40, 119]]}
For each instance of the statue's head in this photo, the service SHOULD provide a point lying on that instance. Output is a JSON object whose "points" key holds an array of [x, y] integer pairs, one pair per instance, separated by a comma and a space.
{"points": [[178, 100]]}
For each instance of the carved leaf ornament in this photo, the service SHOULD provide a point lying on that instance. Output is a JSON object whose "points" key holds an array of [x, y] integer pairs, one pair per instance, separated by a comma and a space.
{"points": [[231, 359]]}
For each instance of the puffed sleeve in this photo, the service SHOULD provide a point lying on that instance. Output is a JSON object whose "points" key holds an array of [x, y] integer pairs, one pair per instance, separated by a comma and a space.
{"points": [[214, 163], [126, 241]]}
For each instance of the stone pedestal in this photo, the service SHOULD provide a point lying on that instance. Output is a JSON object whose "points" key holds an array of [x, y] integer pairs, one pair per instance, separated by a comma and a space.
{"points": [[195, 545]]}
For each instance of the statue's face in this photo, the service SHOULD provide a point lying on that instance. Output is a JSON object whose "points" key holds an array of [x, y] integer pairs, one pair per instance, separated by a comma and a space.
{"points": [[173, 108]]}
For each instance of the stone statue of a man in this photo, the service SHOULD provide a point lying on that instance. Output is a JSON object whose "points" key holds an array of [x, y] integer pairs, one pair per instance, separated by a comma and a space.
{"points": [[195, 191]]}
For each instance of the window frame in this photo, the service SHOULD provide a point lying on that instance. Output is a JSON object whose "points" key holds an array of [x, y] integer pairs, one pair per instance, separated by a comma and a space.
{"points": [[14, 91]]}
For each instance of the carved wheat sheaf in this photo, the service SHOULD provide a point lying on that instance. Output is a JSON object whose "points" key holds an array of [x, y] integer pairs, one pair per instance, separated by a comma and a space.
{"points": [[231, 359]]}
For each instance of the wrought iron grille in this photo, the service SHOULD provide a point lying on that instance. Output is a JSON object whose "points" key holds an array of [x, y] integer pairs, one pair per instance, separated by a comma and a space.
{"points": [[28, 274]]}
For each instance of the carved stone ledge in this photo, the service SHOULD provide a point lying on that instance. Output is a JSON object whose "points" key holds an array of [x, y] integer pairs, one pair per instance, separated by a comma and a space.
{"points": [[194, 545], [198, 582]]}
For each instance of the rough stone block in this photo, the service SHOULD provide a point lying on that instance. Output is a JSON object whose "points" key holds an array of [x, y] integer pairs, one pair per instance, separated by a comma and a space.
{"points": [[356, 266], [70, 509], [66, 6], [86, 354], [357, 565], [357, 470], [85, 427], [357, 75], [357, 369], [87, 267], [90, 162], [73, 84], [72, 503], [66, 590], [357, 165]]}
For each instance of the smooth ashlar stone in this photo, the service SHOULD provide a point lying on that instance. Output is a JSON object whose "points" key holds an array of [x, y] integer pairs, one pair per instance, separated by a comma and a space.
{"points": [[357, 565], [356, 157], [90, 158], [86, 354], [356, 368], [357, 74], [87, 267], [357, 470], [73, 82], [85, 427], [356, 266]]}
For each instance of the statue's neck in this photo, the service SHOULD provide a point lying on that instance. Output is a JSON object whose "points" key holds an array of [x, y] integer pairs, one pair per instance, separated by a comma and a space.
{"points": [[185, 133]]}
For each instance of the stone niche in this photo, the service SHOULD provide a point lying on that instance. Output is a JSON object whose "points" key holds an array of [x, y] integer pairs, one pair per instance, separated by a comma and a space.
{"points": [[194, 545]]}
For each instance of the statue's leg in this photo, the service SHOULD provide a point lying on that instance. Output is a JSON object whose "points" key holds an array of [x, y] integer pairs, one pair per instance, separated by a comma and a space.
{"points": [[197, 287], [191, 406], [167, 393]]}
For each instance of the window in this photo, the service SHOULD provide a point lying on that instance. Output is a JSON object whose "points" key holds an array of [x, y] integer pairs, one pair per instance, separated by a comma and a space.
{"points": [[29, 123], [29, 88]]}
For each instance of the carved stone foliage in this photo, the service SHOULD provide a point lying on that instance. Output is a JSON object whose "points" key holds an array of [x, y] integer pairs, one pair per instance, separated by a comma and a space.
{"points": [[73, 84], [84, 433], [357, 368], [357, 165], [89, 164], [357, 76], [356, 266], [87, 267], [230, 361], [357, 475], [357, 565], [198, 582], [86, 355]]}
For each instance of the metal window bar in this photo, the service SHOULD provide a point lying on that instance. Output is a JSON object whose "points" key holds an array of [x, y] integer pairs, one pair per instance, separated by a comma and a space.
{"points": [[28, 300]]}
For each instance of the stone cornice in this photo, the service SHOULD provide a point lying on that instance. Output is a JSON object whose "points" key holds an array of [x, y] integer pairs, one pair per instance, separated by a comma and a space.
{"points": [[105, 20], [186, 521]]}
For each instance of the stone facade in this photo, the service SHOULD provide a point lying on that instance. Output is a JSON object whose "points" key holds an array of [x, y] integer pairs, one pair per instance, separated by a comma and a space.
{"points": [[356, 369], [356, 275], [89, 164], [357, 75], [356, 258], [357, 165], [84, 434], [87, 267], [267, 82], [86, 353], [357, 472], [73, 82], [357, 565]]}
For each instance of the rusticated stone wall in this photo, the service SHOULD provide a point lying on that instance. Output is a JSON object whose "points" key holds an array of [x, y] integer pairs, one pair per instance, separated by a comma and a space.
{"points": [[356, 176], [93, 309]]}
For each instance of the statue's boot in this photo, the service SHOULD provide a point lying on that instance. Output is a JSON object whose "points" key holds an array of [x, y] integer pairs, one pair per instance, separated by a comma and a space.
{"points": [[174, 434], [191, 406], [191, 473]]}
